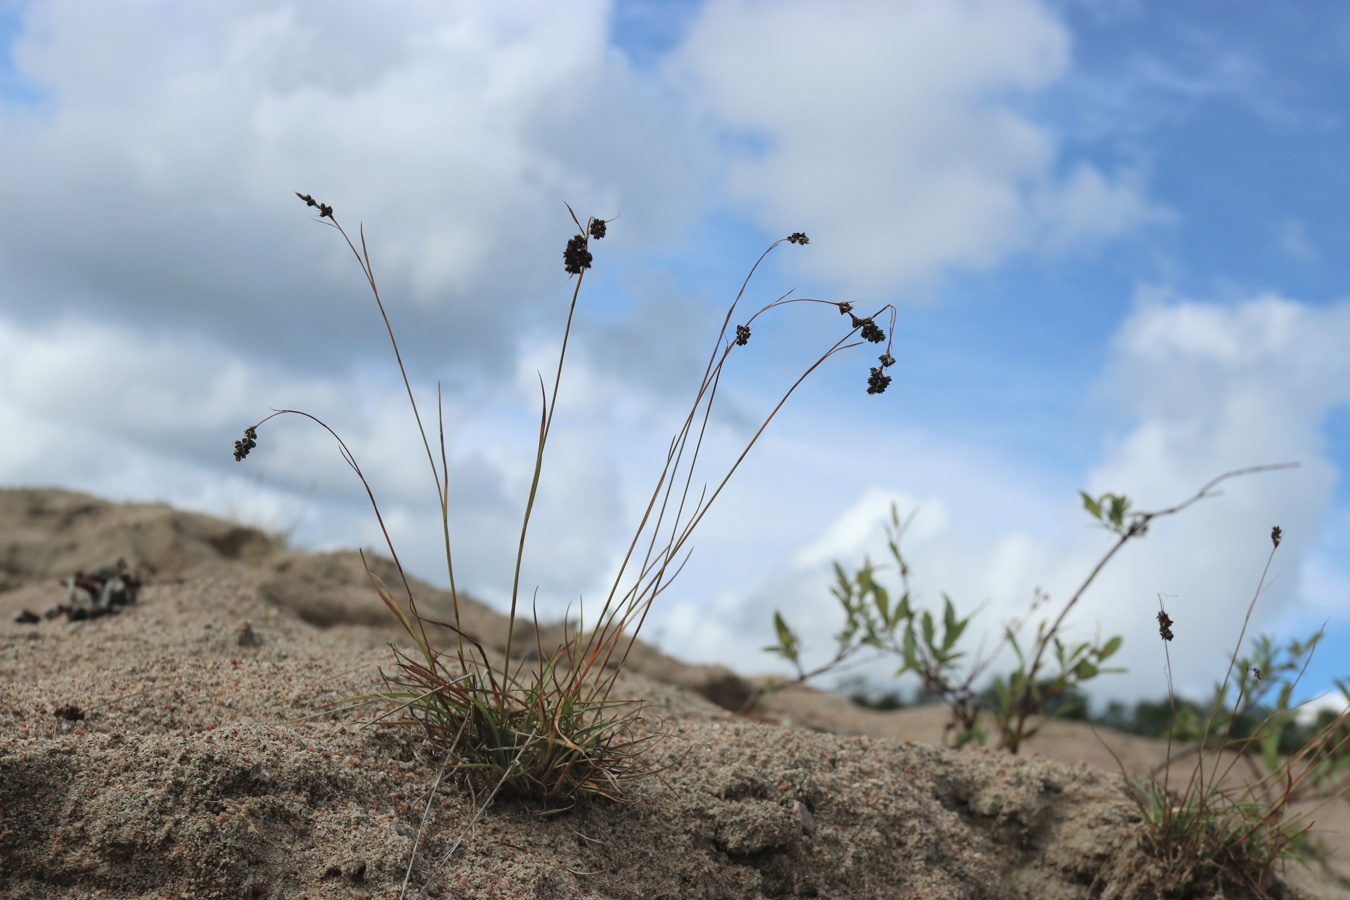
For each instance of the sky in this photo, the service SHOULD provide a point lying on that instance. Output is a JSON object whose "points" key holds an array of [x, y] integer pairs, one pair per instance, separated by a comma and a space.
{"points": [[1113, 234]]}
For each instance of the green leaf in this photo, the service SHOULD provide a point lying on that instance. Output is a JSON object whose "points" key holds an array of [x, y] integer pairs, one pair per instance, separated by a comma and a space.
{"points": [[864, 578], [927, 624], [960, 630], [1085, 671], [952, 627], [911, 650], [787, 639], [1109, 649], [902, 611], [843, 588], [882, 599], [1094, 507], [1119, 505]]}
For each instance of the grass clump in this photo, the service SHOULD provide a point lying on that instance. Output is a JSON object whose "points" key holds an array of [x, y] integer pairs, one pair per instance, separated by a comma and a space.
{"points": [[1226, 828], [550, 728]]}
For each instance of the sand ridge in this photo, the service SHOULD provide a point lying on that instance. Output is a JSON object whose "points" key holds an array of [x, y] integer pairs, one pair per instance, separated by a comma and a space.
{"points": [[180, 748]]}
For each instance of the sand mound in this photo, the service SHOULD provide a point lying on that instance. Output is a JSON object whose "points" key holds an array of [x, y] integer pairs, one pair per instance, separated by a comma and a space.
{"points": [[173, 749]]}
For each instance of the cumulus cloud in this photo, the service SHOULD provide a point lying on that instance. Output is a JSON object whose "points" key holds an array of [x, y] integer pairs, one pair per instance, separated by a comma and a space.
{"points": [[892, 130], [160, 159], [159, 165]]}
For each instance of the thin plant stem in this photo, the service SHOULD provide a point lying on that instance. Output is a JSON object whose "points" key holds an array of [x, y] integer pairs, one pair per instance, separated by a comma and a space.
{"points": [[1137, 526], [545, 424]]}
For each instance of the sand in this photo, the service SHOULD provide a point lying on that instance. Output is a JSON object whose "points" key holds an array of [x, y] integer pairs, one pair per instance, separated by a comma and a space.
{"points": [[183, 748]]}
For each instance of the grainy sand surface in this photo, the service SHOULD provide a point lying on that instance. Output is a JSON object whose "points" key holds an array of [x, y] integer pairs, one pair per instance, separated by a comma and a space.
{"points": [[180, 749]]}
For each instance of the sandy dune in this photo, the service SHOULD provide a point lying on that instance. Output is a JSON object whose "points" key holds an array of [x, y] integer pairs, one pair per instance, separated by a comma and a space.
{"points": [[173, 750]]}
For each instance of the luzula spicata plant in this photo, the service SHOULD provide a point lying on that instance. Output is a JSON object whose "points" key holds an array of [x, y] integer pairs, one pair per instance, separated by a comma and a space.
{"points": [[549, 729], [1223, 831]]}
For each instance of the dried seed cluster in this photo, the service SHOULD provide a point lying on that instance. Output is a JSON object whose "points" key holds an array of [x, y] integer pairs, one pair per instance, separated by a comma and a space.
{"points": [[1165, 624], [877, 379], [249, 441], [577, 257], [325, 211]]}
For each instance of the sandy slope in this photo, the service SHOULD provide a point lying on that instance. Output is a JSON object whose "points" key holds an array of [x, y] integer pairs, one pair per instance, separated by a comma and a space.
{"points": [[173, 750]]}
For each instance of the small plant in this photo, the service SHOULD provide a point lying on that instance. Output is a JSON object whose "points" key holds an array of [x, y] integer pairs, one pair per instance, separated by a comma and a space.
{"points": [[550, 730], [1217, 834], [1028, 696]]}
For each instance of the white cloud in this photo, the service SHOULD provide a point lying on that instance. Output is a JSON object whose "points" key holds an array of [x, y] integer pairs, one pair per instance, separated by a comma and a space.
{"points": [[1086, 206], [890, 132], [862, 524], [159, 166], [160, 163]]}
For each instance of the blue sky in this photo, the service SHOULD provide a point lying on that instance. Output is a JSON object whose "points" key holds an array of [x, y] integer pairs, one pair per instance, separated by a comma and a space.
{"points": [[1113, 233]]}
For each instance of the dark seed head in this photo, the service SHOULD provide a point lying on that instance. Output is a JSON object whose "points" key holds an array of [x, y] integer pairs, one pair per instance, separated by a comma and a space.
{"points": [[325, 211], [1165, 626], [886, 360], [742, 335], [845, 308], [1275, 535], [798, 238], [872, 333], [597, 228], [877, 382], [576, 257], [242, 447]]}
